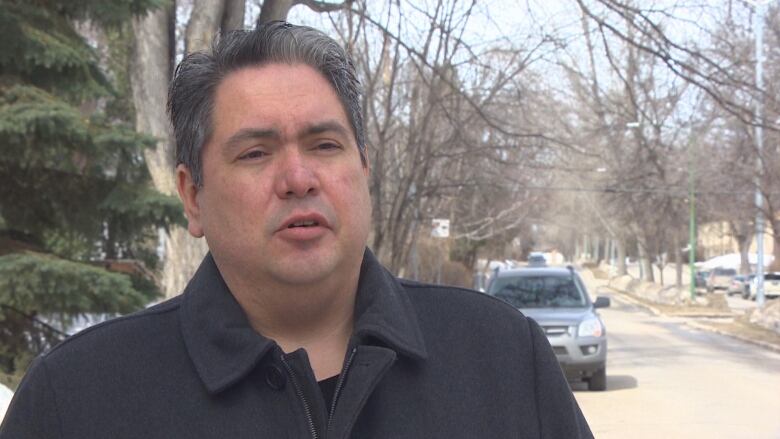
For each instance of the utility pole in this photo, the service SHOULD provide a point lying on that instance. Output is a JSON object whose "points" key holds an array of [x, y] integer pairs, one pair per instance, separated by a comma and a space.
{"points": [[760, 7], [692, 224]]}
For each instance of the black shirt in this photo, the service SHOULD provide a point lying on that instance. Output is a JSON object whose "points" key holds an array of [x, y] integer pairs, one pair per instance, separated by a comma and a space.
{"points": [[328, 388]]}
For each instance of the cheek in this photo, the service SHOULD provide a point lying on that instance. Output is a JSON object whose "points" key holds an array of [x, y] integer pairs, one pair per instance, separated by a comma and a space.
{"points": [[354, 195], [232, 206]]}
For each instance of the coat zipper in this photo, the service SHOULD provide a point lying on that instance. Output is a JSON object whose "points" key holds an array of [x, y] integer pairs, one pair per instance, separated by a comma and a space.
{"points": [[339, 385], [306, 408]]}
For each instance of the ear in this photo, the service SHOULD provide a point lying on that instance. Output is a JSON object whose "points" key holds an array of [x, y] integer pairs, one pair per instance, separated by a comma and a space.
{"points": [[188, 193]]}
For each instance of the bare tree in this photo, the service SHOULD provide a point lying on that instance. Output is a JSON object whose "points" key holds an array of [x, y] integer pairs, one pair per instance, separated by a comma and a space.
{"points": [[438, 141]]}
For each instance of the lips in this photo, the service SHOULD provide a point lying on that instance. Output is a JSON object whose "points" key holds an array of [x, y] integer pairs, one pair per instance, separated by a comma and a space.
{"points": [[307, 220]]}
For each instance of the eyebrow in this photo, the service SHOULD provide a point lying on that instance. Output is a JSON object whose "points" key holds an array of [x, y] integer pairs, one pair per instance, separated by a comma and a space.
{"points": [[323, 127], [250, 134], [273, 134]]}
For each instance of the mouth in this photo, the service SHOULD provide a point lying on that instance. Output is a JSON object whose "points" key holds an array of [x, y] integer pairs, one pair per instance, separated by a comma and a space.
{"points": [[304, 221]]}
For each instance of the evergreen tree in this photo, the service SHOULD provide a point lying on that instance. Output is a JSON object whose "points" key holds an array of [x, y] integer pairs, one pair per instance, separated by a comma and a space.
{"points": [[78, 216]]}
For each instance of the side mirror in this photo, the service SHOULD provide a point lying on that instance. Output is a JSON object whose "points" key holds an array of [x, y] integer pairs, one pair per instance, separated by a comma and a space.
{"points": [[601, 302]]}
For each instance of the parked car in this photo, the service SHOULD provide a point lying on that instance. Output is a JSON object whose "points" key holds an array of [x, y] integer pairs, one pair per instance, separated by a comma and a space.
{"points": [[556, 298], [740, 284], [771, 286], [5, 399], [720, 278], [536, 259], [480, 281], [701, 278]]}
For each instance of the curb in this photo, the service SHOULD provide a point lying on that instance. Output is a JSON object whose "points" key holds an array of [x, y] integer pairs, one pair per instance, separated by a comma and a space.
{"points": [[696, 325], [626, 297], [763, 344]]}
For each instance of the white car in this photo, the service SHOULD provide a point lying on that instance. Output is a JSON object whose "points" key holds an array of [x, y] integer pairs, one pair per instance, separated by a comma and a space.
{"points": [[771, 285], [5, 398]]}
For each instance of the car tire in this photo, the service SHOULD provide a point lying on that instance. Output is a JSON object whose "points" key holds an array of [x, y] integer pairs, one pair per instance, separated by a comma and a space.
{"points": [[746, 293], [598, 381]]}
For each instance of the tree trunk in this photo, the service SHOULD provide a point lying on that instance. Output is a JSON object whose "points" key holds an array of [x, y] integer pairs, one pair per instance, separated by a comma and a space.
{"points": [[203, 25], [149, 77], [576, 256], [274, 10], [586, 247], [742, 233], [622, 269], [678, 265], [744, 249], [233, 16], [644, 261]]}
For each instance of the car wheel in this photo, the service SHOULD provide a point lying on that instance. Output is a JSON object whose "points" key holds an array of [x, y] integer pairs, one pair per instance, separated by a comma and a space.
{"points": [[599, 380], [746, 294]]}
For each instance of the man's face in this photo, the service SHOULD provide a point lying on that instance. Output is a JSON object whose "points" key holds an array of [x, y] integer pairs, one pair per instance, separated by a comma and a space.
{"points": [[285, 193]]}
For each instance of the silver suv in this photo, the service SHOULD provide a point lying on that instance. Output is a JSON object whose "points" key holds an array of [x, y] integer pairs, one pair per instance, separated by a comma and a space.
{"points": [[557, 299]]}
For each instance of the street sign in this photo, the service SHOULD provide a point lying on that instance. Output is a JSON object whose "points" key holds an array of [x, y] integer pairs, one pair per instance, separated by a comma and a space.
{"points": [[441, 228]]}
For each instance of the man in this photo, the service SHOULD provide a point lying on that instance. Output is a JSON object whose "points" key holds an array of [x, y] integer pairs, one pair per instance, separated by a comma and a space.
{"points": [[291, 328]]}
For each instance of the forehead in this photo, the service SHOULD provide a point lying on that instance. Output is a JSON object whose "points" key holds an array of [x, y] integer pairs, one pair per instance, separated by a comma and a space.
{"points": [[275, 93]]}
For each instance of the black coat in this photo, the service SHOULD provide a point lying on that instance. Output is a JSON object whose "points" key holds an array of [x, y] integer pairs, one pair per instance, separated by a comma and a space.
{"points": [[424, 362]]}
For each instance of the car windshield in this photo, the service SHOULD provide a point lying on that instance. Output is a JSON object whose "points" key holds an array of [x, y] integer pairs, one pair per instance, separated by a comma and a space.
{"points": [[772, 277], [725, 272], [539, 292]]}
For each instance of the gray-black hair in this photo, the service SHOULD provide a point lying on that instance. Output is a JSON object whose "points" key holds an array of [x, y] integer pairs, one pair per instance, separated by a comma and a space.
{"points": [[192, 92]]}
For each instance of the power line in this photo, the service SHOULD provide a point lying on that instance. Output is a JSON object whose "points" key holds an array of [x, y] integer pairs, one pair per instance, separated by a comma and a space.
{"points": [[680, 191]]}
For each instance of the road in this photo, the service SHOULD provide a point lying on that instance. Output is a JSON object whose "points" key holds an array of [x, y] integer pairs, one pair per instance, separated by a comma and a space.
{"points": [[667, 380]]}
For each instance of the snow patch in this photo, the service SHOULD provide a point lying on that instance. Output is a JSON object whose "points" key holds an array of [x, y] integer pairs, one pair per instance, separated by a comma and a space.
{"points": [[732, 260]]}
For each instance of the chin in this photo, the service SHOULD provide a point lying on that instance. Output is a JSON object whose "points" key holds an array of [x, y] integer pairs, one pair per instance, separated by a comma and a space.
{"points": [[304, 270]]}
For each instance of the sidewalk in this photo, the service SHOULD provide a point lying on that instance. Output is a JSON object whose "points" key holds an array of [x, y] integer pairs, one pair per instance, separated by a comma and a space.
{"points": [[713, 319]]}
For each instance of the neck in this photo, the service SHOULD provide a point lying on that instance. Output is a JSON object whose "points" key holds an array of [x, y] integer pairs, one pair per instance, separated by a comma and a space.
{"points": [[317, 318]]}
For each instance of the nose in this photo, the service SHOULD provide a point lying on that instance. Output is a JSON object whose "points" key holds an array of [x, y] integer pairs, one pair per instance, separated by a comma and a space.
{"points": [[296, 178]]}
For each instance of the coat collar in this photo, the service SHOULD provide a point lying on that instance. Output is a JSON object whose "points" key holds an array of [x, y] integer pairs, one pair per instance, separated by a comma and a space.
{"points": [[224, 347]]}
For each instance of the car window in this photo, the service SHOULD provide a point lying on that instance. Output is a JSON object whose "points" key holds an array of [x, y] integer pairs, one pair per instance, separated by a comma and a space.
{"points": [[539, 292], [772, 276]]}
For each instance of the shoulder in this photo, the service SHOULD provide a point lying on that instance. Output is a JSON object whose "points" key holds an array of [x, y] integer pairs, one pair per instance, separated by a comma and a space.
{"points": [[456, 298], [152, 324], [462, 307]]}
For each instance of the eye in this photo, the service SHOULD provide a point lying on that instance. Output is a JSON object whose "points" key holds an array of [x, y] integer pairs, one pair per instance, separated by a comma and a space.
{"points": [[327, 146], [253, 154]]}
